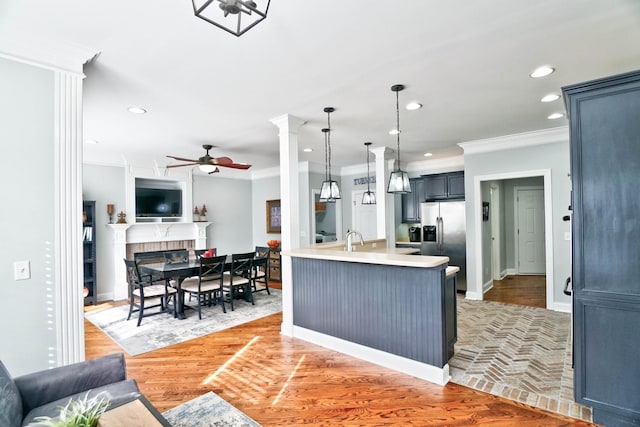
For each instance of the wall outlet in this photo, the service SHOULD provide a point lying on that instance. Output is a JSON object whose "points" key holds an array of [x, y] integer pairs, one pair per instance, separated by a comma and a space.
{"points": [[21, 270]]}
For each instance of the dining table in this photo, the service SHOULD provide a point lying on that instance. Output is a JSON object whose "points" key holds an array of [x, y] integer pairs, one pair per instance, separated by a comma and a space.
{"points": [[179, 271]]}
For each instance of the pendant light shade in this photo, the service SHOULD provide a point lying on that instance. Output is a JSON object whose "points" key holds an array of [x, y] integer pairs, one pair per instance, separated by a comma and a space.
{"points": [[399, 179], [369, 197], [329, 191]]}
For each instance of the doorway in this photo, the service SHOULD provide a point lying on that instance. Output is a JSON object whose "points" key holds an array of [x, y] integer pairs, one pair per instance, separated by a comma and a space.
{"points": [[485, 264], [326, 219], [363, 217]]}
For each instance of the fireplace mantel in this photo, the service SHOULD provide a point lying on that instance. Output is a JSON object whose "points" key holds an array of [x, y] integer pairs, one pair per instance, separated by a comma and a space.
{"points": [[124, 234]]}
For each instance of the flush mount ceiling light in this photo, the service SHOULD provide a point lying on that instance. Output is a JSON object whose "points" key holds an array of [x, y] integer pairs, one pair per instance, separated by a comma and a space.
{"points": [[399, 179], [550, 97], [90, 141], [428, 154], [137, 110], [413, 106], [234, 16], [329, 191], [369, 197], [555, 116], [308, 150], [543, 71]]}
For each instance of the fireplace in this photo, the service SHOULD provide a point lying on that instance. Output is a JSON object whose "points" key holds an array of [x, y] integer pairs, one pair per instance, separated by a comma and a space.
{"points": [[145, 237]]}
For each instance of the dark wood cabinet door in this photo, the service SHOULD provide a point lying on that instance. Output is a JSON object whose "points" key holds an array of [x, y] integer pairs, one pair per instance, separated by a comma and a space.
{"points": [[411, 201], [455, 185], [435, 186], [605, 172]]}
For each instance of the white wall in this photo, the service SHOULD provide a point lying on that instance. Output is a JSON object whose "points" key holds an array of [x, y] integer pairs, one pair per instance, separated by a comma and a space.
{"points": [[229, 209], [27, 337]]}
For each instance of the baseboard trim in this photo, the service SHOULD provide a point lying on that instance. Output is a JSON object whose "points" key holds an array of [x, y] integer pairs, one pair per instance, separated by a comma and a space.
{"points": [[473, 296], [486, 286], [562, 306], [412, 367]]}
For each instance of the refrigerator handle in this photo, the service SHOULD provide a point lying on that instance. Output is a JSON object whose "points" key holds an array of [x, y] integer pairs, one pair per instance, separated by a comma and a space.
{"points": [[440, 223]]}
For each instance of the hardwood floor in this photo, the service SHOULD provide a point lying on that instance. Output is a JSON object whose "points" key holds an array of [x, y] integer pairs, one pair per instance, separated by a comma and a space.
{"points": [[281, 381], [523, 290]]}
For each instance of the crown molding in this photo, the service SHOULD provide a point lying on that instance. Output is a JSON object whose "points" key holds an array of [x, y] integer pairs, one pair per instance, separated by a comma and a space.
{"points": [[45, 53], [445, 164], [519, 140]]}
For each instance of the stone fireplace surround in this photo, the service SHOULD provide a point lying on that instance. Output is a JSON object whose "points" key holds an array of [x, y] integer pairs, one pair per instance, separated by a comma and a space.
{"points": [[141, 237]]}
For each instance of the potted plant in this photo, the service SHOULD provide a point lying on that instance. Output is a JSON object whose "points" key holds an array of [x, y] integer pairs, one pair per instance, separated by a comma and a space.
{"points": [[84, 412]]}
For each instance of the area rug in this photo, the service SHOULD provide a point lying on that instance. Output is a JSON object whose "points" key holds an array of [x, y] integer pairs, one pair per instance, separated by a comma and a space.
{"points": [[208, 410], [163, 330], [517, 352]]}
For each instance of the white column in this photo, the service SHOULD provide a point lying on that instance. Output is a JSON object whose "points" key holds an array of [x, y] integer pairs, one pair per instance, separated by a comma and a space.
{"points": [[289, 208], [68, 222], [385, 202]]}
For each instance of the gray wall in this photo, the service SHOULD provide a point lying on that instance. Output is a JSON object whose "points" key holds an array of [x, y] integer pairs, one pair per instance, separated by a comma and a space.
{"points": [[262, 189], [104, 184], [27, 340], [229, 209], [552, 156]]}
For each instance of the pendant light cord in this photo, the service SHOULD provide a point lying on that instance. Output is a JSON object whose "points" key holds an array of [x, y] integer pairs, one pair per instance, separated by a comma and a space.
{"points": [[368, 176], [329, 140], [398, 126]]}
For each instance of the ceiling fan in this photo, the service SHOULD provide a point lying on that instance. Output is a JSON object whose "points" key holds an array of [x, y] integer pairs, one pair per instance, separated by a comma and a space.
{"points": [[209, 164]]}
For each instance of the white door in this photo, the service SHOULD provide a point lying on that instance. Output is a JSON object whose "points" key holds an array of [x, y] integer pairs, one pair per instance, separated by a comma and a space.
{"points": [[530, 231], [363, 217]]}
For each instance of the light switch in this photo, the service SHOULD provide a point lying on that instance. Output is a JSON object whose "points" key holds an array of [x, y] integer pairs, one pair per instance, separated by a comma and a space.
{"points": [[21, 270], [567, 235]]}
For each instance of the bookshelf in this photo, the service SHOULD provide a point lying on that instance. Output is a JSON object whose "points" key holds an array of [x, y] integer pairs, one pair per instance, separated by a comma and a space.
{"points": [[89, 251]]}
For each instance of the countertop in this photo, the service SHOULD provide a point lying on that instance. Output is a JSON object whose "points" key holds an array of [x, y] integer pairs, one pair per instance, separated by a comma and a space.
{"points": [[381, 255]]}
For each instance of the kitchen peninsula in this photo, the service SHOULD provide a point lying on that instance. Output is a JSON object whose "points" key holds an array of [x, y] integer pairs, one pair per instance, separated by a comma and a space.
{"points": [[379, 304]]}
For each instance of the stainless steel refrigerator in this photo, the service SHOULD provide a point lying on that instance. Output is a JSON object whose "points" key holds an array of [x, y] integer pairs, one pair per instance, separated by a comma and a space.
{"points": [[443, 234]]}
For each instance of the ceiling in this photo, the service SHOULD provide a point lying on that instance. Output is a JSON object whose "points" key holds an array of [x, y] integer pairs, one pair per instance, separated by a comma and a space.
{"points": [[467, 62]]}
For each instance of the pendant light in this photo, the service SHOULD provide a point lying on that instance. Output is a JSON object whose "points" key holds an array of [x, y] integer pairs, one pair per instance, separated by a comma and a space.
{"points": [[329, 191], [399, 179], [369, 197]]}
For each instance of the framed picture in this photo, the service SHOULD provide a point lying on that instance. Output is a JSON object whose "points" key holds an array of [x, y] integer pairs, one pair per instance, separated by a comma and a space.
{"points": [[485, 211], [273, 216]]}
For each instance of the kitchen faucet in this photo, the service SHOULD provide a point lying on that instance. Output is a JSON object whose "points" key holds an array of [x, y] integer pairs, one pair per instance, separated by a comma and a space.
{"points": [[350, 234]]}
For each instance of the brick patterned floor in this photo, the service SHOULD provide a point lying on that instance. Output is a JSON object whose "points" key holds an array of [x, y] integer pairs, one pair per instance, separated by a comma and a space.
{"points": [[518, 352]]}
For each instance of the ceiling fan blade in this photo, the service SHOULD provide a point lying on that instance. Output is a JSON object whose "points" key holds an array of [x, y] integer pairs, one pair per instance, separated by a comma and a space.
{"points": [[184, 164], [234, 165], [182, 159], [221, 161]]}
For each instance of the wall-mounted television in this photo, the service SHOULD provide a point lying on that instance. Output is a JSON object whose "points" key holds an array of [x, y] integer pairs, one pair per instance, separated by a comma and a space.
{"points": [[158, 202]]}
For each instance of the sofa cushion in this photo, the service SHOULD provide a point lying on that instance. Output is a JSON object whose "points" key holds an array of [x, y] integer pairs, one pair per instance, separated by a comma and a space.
{"points": [[10, 400], [117, 393]]}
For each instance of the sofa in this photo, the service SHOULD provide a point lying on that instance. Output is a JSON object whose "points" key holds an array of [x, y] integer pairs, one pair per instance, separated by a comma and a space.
{"points": [[43, 393]]}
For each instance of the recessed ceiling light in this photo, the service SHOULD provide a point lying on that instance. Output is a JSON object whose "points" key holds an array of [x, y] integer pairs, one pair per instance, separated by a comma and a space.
{"points": [[308, 150], [137, 110], [90, 141], [413, 106], [394, 132], [550, 97], [428, 154], [545, 70], [555, 116]]}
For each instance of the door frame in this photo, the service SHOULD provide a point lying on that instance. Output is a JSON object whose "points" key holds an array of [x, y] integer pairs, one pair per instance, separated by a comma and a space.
{"points": [[355, 196], [496, 217], [516, 219], [476, 217]]}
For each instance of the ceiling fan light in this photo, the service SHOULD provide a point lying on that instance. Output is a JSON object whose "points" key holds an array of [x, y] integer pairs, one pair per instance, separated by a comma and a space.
{"points": [[207, 168]]}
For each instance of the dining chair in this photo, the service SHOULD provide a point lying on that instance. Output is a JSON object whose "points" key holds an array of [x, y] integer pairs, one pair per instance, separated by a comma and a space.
{"points": [[142, 289], [150, 257], [238, 280], [207, 286], [261, 269]]}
